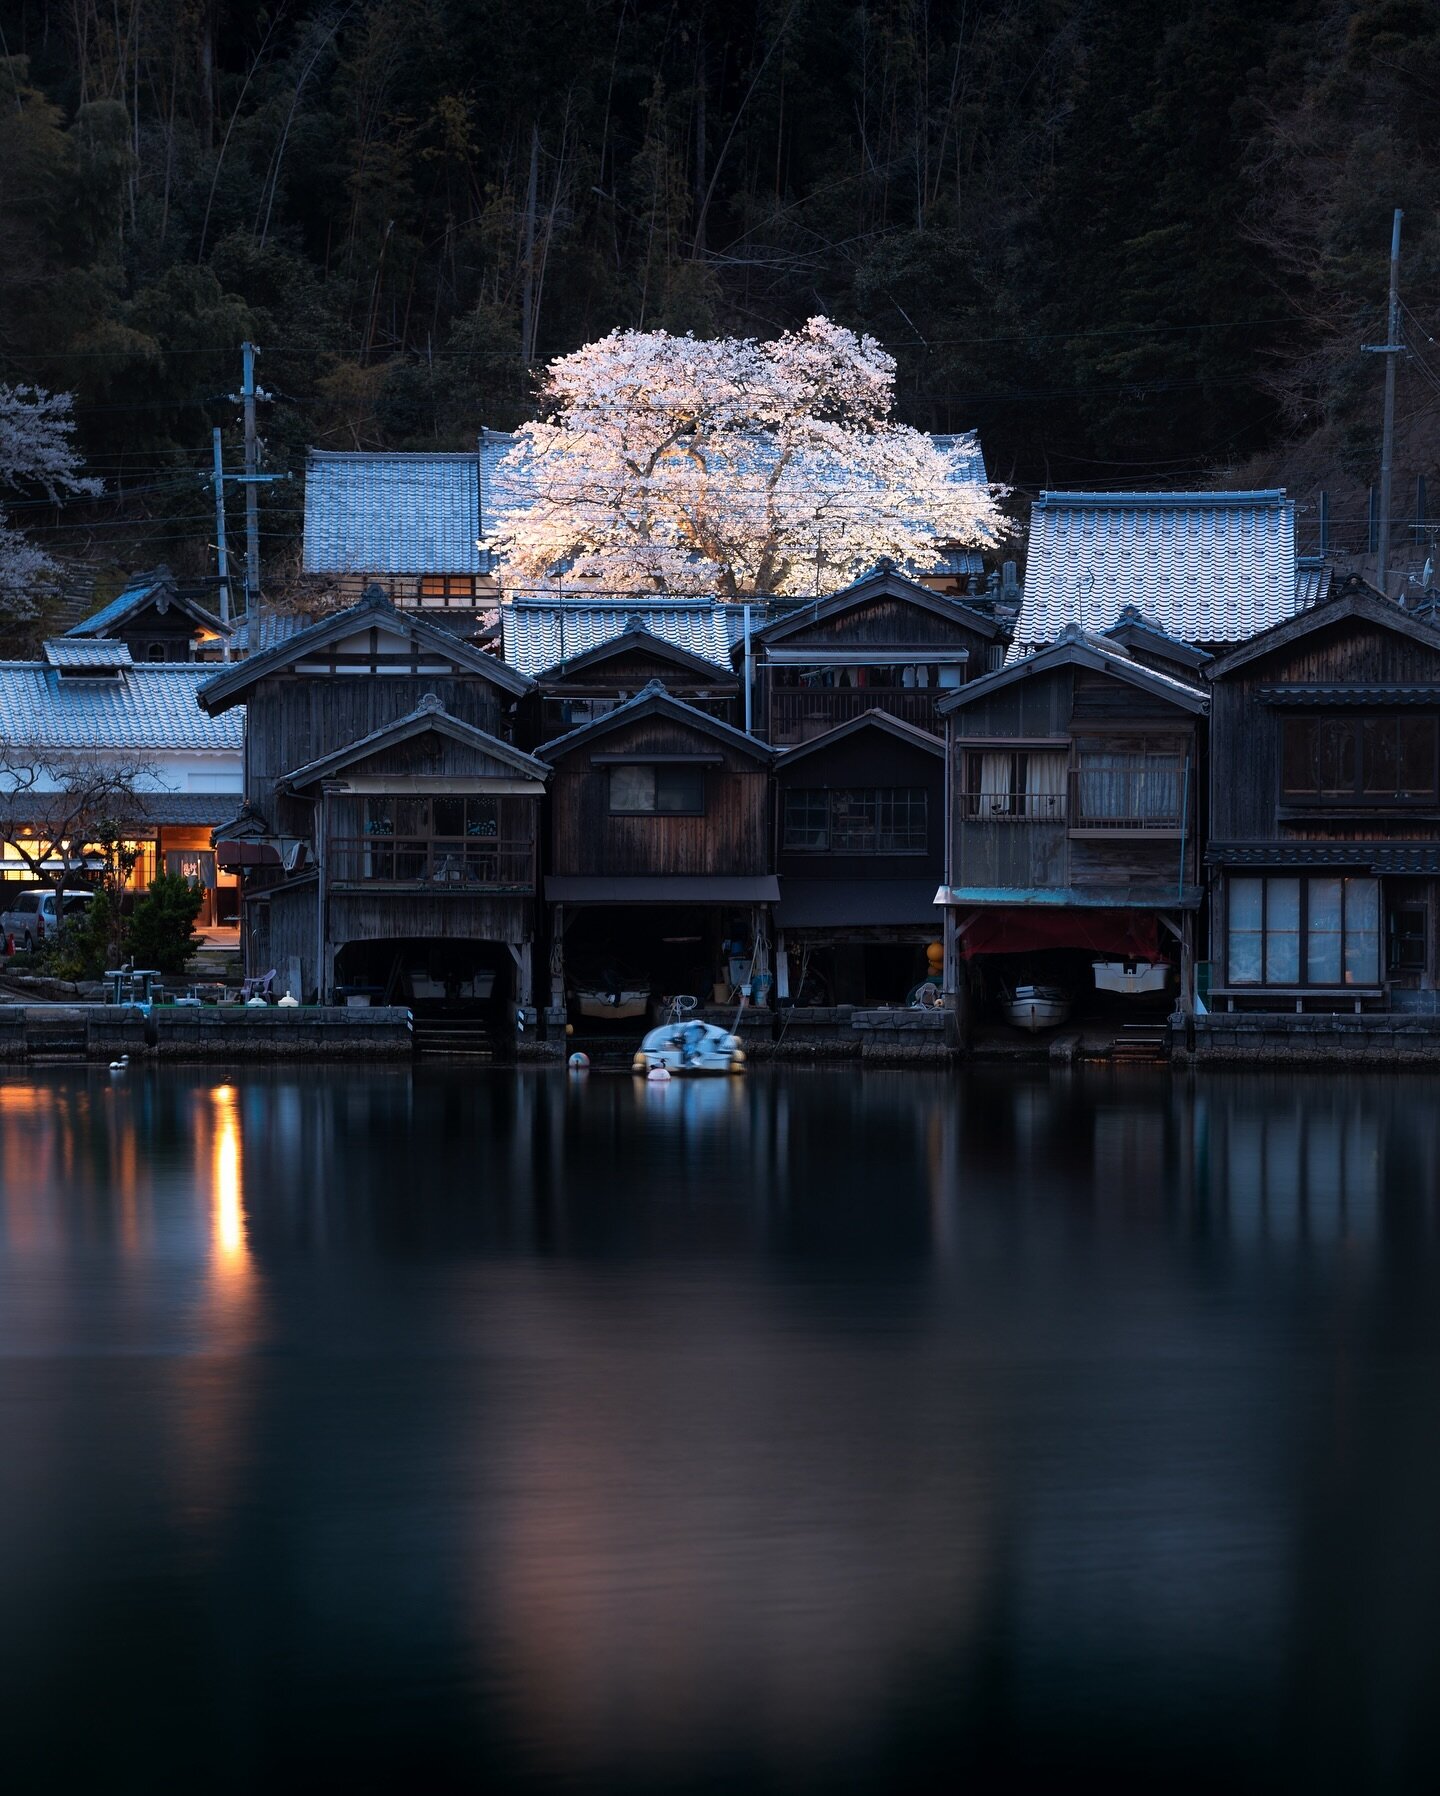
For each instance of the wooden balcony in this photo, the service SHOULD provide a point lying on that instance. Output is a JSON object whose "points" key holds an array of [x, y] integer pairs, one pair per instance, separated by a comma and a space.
{"points": [[449, 866], [799, 714]]}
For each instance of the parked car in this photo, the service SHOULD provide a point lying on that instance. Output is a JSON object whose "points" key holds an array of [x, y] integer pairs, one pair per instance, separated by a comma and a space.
{"points": [[31, 917]]}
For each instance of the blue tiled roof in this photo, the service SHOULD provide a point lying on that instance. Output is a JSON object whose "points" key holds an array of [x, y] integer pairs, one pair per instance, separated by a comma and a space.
{"points": [[532, 633], [392, 514], [275, 626], [145, 707], [64, 651], [1205, 567], [117, 610]]}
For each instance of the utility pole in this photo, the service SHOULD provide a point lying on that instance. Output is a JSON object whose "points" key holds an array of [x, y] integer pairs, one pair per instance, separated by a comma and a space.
{"points": [[221, 551], [252, 498], [1392, 349]]}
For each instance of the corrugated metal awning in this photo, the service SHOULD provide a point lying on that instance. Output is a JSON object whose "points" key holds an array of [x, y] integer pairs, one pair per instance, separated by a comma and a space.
{"points": [[858, 903], [662, 888], [1075, 897]]}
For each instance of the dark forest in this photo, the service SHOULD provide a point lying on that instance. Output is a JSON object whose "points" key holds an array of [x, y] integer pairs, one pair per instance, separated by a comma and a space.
{"points": [[1131, 244]]}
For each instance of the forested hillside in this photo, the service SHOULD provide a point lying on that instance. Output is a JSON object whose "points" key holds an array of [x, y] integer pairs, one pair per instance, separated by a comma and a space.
{"points": [[1130, 243]]}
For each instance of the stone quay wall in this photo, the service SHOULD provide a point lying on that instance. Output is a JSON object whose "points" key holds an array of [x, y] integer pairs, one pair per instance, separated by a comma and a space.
{"points": [[209, 1032], [1378, 1041]]}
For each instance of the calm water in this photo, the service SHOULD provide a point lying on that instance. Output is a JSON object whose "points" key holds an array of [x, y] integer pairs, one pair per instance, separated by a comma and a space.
{"points": [[811, 1432]]}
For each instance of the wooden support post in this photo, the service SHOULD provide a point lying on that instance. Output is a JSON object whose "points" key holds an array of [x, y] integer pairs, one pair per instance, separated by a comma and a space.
{"points": [[759, 918], [557, 958]]}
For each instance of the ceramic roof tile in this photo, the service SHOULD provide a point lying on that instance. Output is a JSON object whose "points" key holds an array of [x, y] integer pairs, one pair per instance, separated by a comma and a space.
{"points": [[147, 707], [1205, 567], [533, 638], [65, 652], [392, 514]]}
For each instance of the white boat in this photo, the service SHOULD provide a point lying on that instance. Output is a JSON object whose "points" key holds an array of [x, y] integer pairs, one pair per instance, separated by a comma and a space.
{"points": [[1130, 976], [1036, 1007], [618, 1004], [690, 1046]]}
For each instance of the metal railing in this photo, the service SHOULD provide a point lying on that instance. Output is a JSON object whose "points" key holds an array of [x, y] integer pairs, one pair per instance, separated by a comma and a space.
{"points": [[800, 714], [433, 863], [1014, 807]]}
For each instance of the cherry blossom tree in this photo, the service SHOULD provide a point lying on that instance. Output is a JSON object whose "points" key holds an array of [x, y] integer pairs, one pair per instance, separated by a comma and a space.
{"points": [[730, 466], [35, 455]]}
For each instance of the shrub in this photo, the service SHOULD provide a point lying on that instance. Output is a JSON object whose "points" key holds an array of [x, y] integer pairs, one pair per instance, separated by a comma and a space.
{"points": [[88, 944], [162, 929]]}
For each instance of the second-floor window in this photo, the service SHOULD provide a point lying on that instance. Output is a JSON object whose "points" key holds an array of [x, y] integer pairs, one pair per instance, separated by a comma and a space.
{"points": [[675, 791], [1134, 785], [1026, 785], [855, 820], [1380, 759]]}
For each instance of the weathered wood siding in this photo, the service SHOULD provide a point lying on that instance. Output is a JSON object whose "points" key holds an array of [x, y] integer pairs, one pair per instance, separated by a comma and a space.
{"points": [[428, 916], [887, 620], [732, 837], [291, 721], [1245, 732], [867, 758], [1053, 712]]}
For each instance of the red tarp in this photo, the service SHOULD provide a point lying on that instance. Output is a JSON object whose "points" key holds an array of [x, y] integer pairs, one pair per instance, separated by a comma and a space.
{"points": [[1126, 934]]}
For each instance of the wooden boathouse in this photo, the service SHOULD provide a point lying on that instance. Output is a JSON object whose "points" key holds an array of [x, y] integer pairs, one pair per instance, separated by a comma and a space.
{"points": [[1075, 784], [390, 832], [659, 850]]}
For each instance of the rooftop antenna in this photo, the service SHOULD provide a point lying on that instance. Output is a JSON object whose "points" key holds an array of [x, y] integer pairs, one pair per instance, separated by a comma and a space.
{"points": [[1392, 349]]}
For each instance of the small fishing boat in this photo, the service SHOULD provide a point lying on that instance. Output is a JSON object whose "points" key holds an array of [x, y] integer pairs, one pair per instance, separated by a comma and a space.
{"points": [[1037, 1007], [618, 1003], [1130, 977], [683, 1044]]}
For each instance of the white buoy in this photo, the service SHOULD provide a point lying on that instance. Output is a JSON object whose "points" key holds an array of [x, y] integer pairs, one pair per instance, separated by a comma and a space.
{"points": [[118, 1066], [579, 1062], [659, 1075]]}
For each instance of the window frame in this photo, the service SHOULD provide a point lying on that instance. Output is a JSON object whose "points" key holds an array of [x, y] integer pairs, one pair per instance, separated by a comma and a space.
{"points": [[658, 770], [1303, 934], [884, 804], [1355, 797]]}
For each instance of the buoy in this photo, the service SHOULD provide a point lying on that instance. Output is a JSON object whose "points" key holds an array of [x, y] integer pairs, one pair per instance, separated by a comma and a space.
{"points": [[118, 1066], [250, 1003], [639, 1064], [579, 1062], [569, 1028], [659, 1075]]}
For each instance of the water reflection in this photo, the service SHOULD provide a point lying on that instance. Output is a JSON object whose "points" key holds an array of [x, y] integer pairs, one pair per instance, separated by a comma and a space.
{"points": [[802, 1432]]}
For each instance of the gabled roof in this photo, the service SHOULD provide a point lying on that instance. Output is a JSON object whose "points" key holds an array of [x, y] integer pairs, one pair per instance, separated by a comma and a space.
{"points": [[654, 700], [149, 706], [883, 581], [374, 611], [273, 627], [157, 589], [392, 514], [428, 716], [640, 639], [1354, 598], [1077, 648], [1134, 630], [541, 634], [1203, 567], [867, 720], [1312, 583]]}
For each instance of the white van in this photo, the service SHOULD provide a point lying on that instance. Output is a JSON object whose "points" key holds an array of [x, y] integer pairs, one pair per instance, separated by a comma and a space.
{"points": [[31, 917]]}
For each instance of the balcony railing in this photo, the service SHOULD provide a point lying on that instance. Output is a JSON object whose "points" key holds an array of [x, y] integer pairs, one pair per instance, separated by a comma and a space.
{"points": [[448, 864], [800, 714], [1014, 807]]}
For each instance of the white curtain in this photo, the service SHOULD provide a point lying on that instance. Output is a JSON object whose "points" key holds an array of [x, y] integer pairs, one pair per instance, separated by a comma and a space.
{"points": [[995, 784], [1045, 785]]}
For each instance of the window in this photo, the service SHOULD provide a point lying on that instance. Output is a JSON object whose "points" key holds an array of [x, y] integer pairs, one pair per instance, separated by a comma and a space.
{"points": [[1135, 785], [1016, 784], [1323, 931], [1381, 759], [856, 820], [447, 586], [649, 790]]}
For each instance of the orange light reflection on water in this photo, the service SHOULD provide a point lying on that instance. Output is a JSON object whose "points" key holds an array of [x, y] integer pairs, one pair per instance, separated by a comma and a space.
{"points": [[231, 1246]]}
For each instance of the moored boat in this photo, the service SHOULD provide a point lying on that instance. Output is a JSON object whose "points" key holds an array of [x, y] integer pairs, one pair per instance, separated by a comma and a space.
{"points": [[1130, 977], [690, 1046], [618, 1003], [1037, 1007]]}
